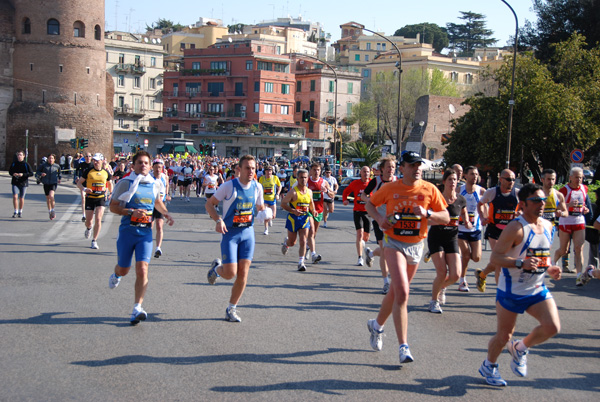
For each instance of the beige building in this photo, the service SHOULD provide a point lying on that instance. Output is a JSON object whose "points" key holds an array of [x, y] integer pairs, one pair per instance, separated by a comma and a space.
{"points": [[285, 39], [135, 64]]}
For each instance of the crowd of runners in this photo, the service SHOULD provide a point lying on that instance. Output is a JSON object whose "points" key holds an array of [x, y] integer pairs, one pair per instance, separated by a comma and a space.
{"points": [[412, 219]]}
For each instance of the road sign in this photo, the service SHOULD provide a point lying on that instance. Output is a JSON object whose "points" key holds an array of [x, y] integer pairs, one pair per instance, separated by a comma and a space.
{"points": [[126, 141], [358, 159], [577, 156]]}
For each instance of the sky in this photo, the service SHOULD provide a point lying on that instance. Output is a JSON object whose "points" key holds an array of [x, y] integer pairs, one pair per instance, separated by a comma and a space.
{"points": [[383, 16]]}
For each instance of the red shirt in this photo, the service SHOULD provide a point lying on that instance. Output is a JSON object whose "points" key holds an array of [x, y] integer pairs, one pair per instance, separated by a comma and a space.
{"points": [[357, 187]]}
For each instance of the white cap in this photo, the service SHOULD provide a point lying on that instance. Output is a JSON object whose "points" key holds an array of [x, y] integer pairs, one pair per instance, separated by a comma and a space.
{"points": [[98, 156]]}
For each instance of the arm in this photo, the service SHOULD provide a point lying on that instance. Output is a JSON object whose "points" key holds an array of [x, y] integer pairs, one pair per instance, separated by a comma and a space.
{"points": [[433, 217], [510, 237], [162, 208], [211, 204], [85, 189], [561, 209], [346, 193], [285, 203], [373, 213], [465, 218]]}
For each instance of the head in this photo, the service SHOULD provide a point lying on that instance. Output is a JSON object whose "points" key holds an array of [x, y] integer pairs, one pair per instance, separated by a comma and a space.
{"points": [[315, 170], [20, 156], [141, 163], [575, 177], [158, 166], [450, 179], [302, 176], [51, 159], [247, 168], [507, 180], [88, 157], [532, 199], [327, 172], [471, 175], [365, 173], [548, 178], [458, 169], [411, 166], [268, 171], [98, 160], [387, 167]]}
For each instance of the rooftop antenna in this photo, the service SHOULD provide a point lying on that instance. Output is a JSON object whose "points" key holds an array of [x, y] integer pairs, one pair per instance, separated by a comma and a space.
{"points": [[129, 20], [116, 15]]}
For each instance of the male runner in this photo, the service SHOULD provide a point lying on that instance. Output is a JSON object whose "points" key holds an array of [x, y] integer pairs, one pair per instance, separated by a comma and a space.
{"points": [[299, 203], [158, 172], [387, 167], [572, 226], [272, 188], [50, 174], [135, 197], [411, 203], [523, 252], [188, 176], [361, 220], [469, 240], [85, 163], [240, 196], [95, 182], [319, 187], [20, 172], [502, 208], [329, 201], [459, 173], [555, 205]]}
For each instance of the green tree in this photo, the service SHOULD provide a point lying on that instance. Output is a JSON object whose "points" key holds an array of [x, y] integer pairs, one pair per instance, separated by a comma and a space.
{"points": [[371, 153], [235, 28], [471, 34], [430, 33], [164, 25]]}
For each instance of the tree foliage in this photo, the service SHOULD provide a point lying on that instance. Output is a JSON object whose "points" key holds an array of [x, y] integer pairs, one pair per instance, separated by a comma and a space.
{"points": [[371, 153], [469, 35], [430, 33], [236, 28], [164, 25]]}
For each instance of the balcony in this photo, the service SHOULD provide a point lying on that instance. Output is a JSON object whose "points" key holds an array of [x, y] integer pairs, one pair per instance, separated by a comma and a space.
{"points": [[125, 110], [203, 115], [205, 94], [208, 71], [137, 68]]}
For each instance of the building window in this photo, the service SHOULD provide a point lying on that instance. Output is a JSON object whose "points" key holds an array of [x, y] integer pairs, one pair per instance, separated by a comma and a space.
{"points": [[218, 65], [278, 50], [311, 127], [298, 106], [383, 46], [368, 45], [350, 87], [298, 86], [152, 83], [256, 86], [182, 46], [174, 127], [312, 85], [97, 32], [256, 107], [249, 64], [312, 108], [152, 61], [121, 123], [215, 108], [269, 87], [258, 49], [60, 68], [152, 104], [78, 29], [331, 86], [366, 73], [285, 110], [26, 30], [121, 101], [348, 109], [330, 108], [264, 65], [268, 108], [194, 129], [357, 57], [30, 66], [379, 46], [281, 68], [175, 89], [121, 58], [468, 78], [87, 69], [136, 82], [43, 96], [196, 65], [121, 80], [285, 89], [215, 88], [53, 27], [454, 76], [137, 61], [192, 45], [366, 57]]}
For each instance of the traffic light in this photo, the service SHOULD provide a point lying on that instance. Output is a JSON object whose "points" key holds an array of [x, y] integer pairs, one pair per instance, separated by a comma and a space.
{"points": [[74, 143], [306, 116], [201, 149], [83, 143], [337, 157]]}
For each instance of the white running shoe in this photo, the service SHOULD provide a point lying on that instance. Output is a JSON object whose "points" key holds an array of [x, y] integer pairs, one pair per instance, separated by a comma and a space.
{"points": [[52, 215], [266, 232], [386, 288], [442, 296], [492, 374], [324, 224], [114, 281], [301, 267], [138, 315], [231, 315], [316, 258], [212, 272], [434, 307], [158, 252], [284, 246], [360, 262], [376, 336], [369, 255], [405, 355], [463, 286], [587, 274], [518, 364], [95, 245], [87, 233]]}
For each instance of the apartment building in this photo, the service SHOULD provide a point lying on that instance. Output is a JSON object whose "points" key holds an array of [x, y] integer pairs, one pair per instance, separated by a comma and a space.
{"points": [[284, 39], [135, 64]]}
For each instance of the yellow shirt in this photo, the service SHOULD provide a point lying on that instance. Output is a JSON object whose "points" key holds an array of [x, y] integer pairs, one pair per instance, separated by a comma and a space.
{"points": [[302, 202], [269, 190]]}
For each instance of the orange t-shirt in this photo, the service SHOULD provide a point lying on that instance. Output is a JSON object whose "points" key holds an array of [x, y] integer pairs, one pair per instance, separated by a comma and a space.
{"points": [[401, 199]]}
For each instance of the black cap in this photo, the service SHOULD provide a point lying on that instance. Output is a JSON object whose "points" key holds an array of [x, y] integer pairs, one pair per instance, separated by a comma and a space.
{"points": [[410, 157]]}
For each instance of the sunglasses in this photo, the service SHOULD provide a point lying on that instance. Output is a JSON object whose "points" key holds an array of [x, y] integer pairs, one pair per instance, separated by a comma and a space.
{"points": [[508, 179], [536, 199]]}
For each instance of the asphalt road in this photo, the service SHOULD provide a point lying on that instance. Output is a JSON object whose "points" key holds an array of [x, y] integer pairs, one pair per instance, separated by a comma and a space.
{"points": [[66, 336]]}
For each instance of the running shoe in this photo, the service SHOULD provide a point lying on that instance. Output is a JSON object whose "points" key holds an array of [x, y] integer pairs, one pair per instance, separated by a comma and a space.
{"points": [[386, 288], [463, 286], [481, 281], [324, 224], [427, 256], [95, 245], [442, 296], [52, 215], [434, 307], [20, 215], [266, 232], [586, 276], [138, 315], [14, 215], [405, 355], [284, 246], [231, 315], [212, 272], [376, 336], [87, 233], [301, 267], [83, 219], [578, 281], [492, 374], [360, 262], [518, 364], [158, 252], [307, 254], [270, 222], [316, 258], [114, 281], [369, 255]]}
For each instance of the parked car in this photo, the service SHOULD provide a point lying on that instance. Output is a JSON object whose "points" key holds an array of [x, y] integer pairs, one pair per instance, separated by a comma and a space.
{"points": [[343, 184], [588, 175]]}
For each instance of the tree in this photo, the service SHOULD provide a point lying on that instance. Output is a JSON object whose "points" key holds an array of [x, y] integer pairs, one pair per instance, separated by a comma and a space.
{"points": [[370, 153], [557, 20], [236, 28], [430, 33], [473, 33], [164, 25]]}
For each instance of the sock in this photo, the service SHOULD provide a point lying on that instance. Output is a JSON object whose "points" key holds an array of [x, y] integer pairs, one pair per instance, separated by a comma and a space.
{"points": [[313, 254], [386, 280], [487, 363], [232, 306], [578, 275], [16, 211], [376, 326], [20, 211], [403, 345], [137, 306], [301, 261], [520, 346]]}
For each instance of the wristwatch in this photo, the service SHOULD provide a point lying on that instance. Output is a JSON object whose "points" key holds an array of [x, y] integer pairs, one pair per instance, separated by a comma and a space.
{"points": [[130, 212], [429, 212], [519, 263]]}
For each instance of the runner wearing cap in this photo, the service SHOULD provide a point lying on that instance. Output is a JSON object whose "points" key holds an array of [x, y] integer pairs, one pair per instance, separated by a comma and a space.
{"points": [[96, 183], [158, 172], [271, 190], [329, 203]]}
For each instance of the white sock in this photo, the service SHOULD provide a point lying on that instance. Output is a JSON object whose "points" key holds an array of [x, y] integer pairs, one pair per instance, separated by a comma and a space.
{"points": [[376, 326], [313, 254], [137, 306], [386, 280], [520, 346], [301, 261], [232, 306]]}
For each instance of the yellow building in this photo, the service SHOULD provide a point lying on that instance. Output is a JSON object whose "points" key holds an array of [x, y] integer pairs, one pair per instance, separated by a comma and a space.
{"points": [[285, 39], [199, 36]]}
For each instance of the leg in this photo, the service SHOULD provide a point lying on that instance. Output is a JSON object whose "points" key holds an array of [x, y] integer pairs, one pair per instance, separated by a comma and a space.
{"points": [[401, 274], [506, 321], [302, 238], [382, 265], [465, 256], [16, 201], [291, 239], [49, 202], [547, 315], [159, 232], [141, 281], [240, 272], [21, 202], [359, 241], [490, 267], [563, 248], [98, 222], [89, 215], [310, 238], [578, 242], [439, 262]]}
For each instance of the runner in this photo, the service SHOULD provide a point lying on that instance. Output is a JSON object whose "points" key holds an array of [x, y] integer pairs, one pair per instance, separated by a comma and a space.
{"points": [[240, 196], [502, 209], [96, 184], [459, 173], [158, 172], [299, 203], [20, 172], [329, 201], [135, 197], [50, 174], [410, 204], [442, 241], [469, 239], [319, 187], [523, 252], [361, 220], [272, 188], [572, 226], [85, 163], [387, 166], [555, 205], [211, 183], [188, 175]]}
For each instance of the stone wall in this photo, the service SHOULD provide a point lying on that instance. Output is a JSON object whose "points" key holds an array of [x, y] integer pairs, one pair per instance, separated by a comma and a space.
{"points": [[6, 71]]}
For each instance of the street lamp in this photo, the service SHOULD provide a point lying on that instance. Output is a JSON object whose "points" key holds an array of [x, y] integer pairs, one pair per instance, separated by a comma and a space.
{"points": [[421, 123], [399, 67], [511, 101]]}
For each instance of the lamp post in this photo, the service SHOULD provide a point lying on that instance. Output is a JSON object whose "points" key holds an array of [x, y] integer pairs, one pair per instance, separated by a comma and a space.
{"points": [[511, 101], [399, 67], [335, 100], [421, 123]]}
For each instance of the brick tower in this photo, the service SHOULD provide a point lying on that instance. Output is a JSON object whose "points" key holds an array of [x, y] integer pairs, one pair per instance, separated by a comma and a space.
{"points": [[60, 86]]}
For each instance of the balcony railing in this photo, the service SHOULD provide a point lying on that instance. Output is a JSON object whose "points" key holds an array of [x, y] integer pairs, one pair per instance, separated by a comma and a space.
{"points": [[205, 94], [203, 115], [207, 71], [137, 68]]}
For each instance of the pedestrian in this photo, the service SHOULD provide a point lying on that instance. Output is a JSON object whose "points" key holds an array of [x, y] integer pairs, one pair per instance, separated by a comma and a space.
{"points": [[361, 220], [20, 172], [272, 189], [158, 172], [50, 175], [329, 202]]}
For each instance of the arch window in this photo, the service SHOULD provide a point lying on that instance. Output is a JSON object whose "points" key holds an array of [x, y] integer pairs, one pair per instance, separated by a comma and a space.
{"points": [[97, 32], [26, 26], [53, 27], [79, 29]]}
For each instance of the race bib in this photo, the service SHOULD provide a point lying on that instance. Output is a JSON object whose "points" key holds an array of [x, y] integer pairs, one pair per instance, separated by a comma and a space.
{"points": [[143, 222], [407, 225], [242, 219], [97, 188]]}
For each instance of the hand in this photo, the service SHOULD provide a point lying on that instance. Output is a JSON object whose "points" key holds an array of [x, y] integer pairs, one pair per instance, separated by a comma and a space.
{"points": [[169, 219], [220, 227], [484, 221], [43, 175], [345, 202], [554, 272], [419, 211], [530, 264]]}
